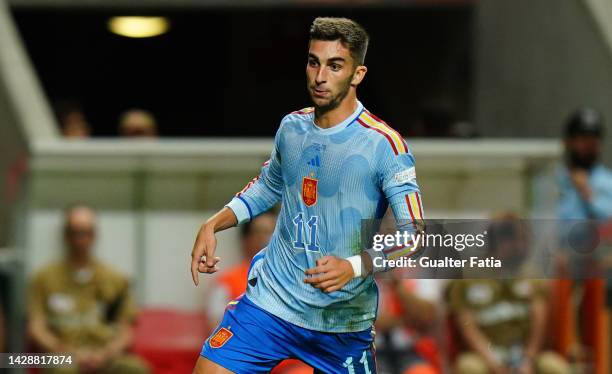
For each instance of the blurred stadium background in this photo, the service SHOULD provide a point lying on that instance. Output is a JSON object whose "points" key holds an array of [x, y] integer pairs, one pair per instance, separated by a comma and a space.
{"points": [[481, 90]]}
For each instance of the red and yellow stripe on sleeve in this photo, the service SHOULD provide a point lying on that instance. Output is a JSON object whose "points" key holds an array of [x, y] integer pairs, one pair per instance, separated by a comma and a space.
{"points": [[252, 182], [414, 206], [413, 201], [370, 121], [400, 251]]}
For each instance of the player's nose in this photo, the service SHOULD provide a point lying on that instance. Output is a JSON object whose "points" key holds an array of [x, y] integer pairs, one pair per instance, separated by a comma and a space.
{"points": [[321, 77]]}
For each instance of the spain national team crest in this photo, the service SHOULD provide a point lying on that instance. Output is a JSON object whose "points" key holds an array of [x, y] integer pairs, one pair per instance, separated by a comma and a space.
{"points": [[309, 191], [220, 338]]}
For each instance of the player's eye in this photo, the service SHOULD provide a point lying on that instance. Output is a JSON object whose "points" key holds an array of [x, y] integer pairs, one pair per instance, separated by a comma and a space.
{"points": [[335, 67], [312, 63]]}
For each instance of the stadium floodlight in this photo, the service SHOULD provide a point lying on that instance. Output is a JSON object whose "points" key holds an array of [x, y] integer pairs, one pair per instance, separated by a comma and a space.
{"points": [[138, 26]]}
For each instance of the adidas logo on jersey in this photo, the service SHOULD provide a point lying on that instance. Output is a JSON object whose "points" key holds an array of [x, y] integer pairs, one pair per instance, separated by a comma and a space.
{"points": [[316, 161]]}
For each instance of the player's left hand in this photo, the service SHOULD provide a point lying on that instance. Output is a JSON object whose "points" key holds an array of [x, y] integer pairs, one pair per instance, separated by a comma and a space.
{"points": [[330, 274]]}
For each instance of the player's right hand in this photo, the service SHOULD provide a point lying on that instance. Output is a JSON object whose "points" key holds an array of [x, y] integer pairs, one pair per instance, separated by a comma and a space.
{"points": [[203, 258]]}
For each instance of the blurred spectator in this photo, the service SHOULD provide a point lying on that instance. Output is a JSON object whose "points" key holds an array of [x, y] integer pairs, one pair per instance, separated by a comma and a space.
{"points": [[502, 322], [583, 200], [232, 282], [72, 121], [81, 306], [585, 184], [408, 310], [137, 123]]}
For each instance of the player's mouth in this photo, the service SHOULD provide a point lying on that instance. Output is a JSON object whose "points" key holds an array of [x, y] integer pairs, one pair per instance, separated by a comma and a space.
{"points": [[319, 93]]}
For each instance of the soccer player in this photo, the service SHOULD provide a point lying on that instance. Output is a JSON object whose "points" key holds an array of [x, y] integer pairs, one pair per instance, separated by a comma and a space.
{"points": [[311, 294]]}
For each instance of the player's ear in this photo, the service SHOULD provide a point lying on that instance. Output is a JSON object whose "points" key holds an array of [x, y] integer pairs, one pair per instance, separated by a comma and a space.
{"points": [[359, 74]]}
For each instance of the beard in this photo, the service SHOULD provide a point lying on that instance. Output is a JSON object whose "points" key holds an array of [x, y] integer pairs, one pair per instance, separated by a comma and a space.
{"points": [[582, 161], [334, 101]]}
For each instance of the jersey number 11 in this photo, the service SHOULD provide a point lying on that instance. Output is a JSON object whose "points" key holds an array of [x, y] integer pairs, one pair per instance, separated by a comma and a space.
{"points": [[305, 239]]}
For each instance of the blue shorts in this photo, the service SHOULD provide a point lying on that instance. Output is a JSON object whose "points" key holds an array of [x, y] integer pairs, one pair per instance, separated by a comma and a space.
{"points": [[250, 340]]}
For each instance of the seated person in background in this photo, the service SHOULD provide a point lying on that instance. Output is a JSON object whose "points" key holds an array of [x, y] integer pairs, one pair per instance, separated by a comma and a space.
{"points": [[232, 282], [502, 321], [407, 313], [137, 123], [72, 121], [83, 307]]}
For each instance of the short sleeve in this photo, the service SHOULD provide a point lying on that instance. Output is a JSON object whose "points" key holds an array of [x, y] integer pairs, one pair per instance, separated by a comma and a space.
{"points": [[37, 296], [127, 309], [115, 292]]}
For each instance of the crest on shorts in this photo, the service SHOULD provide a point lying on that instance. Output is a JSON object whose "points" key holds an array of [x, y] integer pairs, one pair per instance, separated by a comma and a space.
{"points": [[220, 338], [309, 191]]}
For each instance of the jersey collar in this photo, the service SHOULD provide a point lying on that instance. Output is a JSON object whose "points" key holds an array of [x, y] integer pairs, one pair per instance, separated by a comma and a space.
{"points": [[342, 125]]}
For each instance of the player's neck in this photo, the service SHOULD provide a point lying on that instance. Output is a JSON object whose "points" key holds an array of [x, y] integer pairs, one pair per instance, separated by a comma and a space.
{"points": [[338, 114]]}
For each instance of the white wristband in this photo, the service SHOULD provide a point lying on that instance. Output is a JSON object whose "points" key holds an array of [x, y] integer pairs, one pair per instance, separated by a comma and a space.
{"points": [[356, 264]]}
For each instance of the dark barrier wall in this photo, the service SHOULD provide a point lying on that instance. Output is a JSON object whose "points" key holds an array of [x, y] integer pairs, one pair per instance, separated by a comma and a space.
{"points": [[236, 72], [536, 61]]}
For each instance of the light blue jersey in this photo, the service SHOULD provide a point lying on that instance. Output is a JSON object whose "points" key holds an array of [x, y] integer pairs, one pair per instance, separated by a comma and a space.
{"points": [[328, 180], [573, 206]]}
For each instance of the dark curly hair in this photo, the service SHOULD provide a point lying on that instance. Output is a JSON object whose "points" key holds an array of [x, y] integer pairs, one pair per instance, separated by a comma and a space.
{"points": [[349, 32]]}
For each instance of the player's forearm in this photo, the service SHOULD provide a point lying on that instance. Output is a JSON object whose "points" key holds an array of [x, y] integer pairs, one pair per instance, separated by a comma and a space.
{"points": [[366, 263], [223, 219], [361, 264]]}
